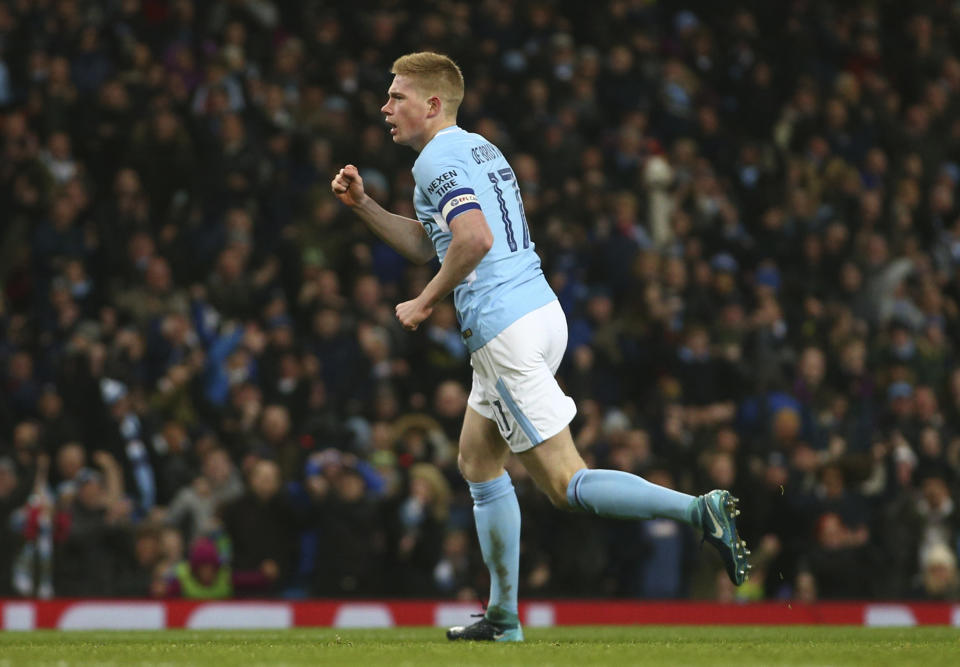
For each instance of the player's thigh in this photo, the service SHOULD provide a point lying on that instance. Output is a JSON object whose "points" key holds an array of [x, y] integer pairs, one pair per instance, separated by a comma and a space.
{"points": [[514, 375], [552, 464], [483, 452]]}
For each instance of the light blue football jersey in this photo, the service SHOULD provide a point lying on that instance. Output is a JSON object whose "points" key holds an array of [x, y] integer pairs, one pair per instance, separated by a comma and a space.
{"points": [[458, 171]]}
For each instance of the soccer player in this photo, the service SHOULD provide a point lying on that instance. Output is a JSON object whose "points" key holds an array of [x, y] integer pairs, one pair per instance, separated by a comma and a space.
{"points": [[470, 214]]}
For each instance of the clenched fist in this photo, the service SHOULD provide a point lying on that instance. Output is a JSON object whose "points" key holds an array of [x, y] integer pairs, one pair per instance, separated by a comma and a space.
{"points": [[412, 313], [347, 186]]}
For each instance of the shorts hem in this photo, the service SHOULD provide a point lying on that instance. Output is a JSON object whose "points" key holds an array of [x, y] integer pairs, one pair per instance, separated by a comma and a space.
{"points": [[543, 436], [482, 410]]}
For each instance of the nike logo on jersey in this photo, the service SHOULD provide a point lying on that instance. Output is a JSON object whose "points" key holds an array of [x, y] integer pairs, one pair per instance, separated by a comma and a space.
{"points": [[717, 528]]}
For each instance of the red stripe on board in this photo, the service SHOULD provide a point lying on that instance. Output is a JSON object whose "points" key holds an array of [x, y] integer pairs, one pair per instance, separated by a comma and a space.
{"points": [[387, 613]]}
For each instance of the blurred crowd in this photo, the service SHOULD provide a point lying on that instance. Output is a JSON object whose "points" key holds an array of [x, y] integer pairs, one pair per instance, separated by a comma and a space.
{"points": [[748, 211]]}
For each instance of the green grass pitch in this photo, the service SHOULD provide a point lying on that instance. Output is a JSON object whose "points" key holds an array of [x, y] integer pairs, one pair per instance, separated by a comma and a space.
{"points": [[420, 647]]}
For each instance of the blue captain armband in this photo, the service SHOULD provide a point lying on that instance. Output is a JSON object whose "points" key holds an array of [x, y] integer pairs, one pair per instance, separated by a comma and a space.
{"points": [[456, 202]]}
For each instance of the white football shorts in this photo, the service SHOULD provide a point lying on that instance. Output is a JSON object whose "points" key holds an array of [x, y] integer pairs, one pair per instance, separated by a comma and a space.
{"points": [[514, 383]]}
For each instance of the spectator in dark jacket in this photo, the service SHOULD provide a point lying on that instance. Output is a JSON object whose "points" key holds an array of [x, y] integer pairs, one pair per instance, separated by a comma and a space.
{"points": [[12, 496], [261, 524]]}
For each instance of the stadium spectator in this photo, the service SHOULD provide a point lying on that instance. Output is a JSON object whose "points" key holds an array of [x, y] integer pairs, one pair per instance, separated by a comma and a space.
{"points": [[205, 576], [261, 524], [137, 574], [422, 513], [194, 509], [91, 527], [11, 498], [938, 577], [350, 536]]}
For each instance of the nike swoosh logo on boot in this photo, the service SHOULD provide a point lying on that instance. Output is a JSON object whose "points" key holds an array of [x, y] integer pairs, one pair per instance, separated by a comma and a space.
{"points": [[717, 528]]}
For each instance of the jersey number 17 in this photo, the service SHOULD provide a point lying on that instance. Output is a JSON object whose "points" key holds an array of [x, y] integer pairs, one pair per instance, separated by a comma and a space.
{"points": [[507, 176]]}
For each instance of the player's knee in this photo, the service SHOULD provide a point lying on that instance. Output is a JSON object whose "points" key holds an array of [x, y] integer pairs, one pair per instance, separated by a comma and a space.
{"points": [[464, 465], [476, 469]]}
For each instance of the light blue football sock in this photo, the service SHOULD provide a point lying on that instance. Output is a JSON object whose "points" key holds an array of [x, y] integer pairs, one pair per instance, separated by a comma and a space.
{"points": [[620, 495], [497, 515]]}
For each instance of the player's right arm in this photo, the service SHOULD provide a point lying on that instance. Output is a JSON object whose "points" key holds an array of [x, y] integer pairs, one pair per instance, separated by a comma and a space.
{"points": [[405, 235]]}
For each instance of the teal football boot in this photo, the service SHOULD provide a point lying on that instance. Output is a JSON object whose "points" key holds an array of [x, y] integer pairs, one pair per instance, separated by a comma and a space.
{"points": [[506, 630], [718, 514]]}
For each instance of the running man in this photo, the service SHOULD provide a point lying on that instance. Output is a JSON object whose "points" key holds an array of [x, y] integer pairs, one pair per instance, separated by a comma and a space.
{"points": [[470, 214]]}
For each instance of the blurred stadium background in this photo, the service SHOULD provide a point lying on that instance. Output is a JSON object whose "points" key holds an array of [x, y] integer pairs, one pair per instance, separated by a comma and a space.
{"points": [[748, 210]]}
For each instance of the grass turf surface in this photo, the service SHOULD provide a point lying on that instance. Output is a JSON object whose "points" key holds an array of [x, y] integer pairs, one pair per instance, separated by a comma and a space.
{"points": [[420, 647]]}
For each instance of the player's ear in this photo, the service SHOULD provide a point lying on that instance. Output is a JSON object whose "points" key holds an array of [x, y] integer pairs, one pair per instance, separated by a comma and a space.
{"points": [[434, 106]]}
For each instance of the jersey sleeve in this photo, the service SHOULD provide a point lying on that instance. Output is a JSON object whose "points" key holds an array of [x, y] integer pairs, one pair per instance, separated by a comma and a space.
{"points": [[445, 181]]}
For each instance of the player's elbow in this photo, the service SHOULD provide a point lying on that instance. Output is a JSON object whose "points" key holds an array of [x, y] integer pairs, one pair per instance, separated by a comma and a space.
{"points": [[472, 234], [474, 246], [482, 241]]}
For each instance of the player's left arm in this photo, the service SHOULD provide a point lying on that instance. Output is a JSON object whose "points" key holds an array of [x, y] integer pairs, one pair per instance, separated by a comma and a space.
{"points": [[470, 242]]}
